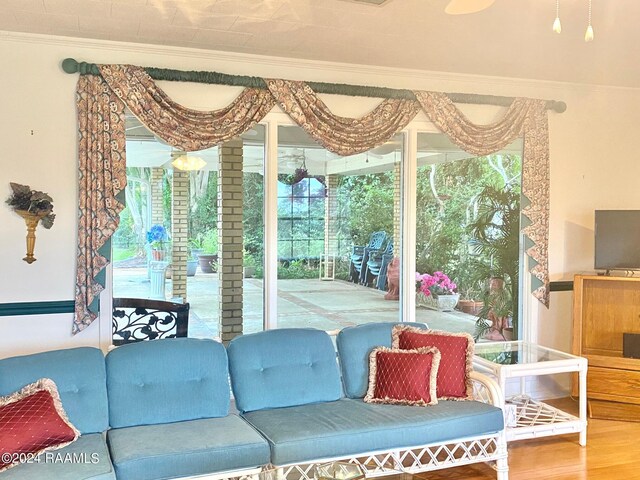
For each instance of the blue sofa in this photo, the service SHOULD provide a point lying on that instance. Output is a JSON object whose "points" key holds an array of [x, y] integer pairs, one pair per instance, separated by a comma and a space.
{"points": [[161, 409]]}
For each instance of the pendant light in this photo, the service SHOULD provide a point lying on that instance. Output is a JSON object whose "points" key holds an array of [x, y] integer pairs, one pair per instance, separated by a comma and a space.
{"points": [[588, 35], [557, 26]]}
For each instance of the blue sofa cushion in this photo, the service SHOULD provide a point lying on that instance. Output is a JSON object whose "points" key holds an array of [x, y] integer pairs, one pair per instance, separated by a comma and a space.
{"points": [[168, 380], [79, 374], [86, 458], [348, 426], [194, 447], [283, 367], [354, 346]]}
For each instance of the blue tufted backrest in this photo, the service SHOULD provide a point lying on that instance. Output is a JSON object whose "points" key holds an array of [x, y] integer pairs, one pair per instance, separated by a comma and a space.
{"points": [[283, 368], [79, 374], [354, 346], [170, 380]]}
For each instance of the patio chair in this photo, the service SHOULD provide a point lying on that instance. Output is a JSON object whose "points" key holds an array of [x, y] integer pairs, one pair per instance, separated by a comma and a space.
{"points": [[360, 255], [138, 319], [376, 267]]}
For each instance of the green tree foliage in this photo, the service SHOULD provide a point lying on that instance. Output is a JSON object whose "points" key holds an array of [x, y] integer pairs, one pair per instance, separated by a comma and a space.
{"points": [[495, 233], [366, 205], [204, 215], [442, 236], [253, 215]]}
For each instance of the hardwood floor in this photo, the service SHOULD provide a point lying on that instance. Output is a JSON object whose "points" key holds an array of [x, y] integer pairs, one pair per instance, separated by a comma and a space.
{"points": [[612, 453]]}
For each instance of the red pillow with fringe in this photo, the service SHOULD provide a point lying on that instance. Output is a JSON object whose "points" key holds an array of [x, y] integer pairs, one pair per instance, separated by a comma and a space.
{"points": [[456, 362], [404, 377], [33, 421]]}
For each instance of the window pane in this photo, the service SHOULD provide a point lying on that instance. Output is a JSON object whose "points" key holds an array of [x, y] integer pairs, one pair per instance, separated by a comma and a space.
{"points": [[356, 197], [301, 189], [467, 227], [316, 188]]}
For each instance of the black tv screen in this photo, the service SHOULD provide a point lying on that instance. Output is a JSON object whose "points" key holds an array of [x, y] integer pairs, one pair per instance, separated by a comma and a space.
{"points": [[617, 240]]}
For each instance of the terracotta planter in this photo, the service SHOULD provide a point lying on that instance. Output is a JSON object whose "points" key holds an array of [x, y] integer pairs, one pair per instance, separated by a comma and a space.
{"points": [[393, 280], [157, 254], [206, 260], [471, 307]]}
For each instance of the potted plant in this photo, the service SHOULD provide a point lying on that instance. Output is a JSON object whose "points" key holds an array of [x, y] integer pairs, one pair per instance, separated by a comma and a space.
{"points": [[157, 238], [208, 259], [437, 291], [192, 265], [495, 240], [195, 246], [471, 300]]}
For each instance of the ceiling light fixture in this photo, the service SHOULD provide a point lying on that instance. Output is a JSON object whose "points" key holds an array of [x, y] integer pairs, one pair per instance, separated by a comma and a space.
{"points": [[462, 7], [588, 35], [557, 27], [188, 163]]}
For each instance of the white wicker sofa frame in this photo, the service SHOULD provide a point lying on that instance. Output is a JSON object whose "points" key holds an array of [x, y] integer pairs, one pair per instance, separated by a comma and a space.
{"points": [[251, 355], [155, 392]]}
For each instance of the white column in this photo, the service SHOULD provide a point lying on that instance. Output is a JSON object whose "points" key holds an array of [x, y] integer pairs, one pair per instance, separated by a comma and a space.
{"points": [[270, 281], [408, 215]]}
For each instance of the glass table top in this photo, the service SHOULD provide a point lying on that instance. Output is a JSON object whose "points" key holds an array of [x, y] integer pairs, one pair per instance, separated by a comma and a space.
{"points": [[517, 353]]}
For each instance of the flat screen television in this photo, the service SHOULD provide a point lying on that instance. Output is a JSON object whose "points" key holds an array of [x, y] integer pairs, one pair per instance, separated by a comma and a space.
{"points": [[617, 240]]}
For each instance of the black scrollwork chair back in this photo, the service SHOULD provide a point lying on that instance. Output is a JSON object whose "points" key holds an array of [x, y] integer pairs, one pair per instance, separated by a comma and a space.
{"points": [[138, 319]]}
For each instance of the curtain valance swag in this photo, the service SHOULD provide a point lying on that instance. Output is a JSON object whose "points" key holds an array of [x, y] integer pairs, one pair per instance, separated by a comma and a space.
{"points": [[103, 95]]}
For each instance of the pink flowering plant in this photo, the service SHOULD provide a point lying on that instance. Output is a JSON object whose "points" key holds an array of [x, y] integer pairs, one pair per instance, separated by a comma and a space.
{"points": [[437, 284]]}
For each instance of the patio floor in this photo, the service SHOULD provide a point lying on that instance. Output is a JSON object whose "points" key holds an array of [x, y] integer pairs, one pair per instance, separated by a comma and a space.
{"points": [[326, 305]]}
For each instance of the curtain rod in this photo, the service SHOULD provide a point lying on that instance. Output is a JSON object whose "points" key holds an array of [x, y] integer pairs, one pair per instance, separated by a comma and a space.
{"points": [[70, 65]]}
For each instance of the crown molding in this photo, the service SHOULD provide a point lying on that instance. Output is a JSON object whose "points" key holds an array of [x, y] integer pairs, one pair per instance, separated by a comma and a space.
{"points": [[398, 76]]}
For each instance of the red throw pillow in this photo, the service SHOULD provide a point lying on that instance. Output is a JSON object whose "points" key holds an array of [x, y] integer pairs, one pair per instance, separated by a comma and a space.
{"points": [[33, 421], [456, 362], [406, 377]]}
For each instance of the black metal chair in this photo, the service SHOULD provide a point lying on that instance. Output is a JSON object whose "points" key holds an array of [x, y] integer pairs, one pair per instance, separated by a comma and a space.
{"points": [[360, 256], [138, 319]]}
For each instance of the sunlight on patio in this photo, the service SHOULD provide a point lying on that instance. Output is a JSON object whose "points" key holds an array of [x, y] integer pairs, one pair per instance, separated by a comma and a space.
{"points": [[326, 305]]}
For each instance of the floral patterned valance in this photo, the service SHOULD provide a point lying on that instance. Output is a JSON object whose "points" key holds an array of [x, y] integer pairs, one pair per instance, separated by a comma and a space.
{"points": [[101, 102]]}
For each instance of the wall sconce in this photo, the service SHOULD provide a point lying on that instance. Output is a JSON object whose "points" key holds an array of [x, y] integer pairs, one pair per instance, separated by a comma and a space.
{"points": [[35, 207]]}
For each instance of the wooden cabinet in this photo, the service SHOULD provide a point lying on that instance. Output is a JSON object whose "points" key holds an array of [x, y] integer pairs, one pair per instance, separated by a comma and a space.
{"points": [[603, 309]]}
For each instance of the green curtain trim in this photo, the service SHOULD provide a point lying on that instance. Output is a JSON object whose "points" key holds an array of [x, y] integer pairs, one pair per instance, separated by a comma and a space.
{"points": [[105, 251], [36, 308], [101, 277], [535, 283], [70, 65]]}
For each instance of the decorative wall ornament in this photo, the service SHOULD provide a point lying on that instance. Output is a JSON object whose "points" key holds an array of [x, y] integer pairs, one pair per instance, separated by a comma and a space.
{"points": [[101, 102], [35, 207]]}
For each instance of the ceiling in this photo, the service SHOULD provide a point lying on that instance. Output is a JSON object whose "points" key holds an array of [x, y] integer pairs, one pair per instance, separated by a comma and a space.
{"points": [[513, 38]]}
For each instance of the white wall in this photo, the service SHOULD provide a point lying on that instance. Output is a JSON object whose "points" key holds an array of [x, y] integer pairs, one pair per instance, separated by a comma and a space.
{"points": [[593, 160]]}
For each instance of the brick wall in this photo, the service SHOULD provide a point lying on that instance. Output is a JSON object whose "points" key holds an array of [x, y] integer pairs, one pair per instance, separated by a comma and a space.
{"points": [[331, 215], [397, 201], [157, 176], [230, 243], [179, 231]]}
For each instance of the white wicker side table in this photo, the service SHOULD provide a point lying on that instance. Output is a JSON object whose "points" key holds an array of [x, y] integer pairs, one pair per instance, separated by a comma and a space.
{"points": [[521, 359]]}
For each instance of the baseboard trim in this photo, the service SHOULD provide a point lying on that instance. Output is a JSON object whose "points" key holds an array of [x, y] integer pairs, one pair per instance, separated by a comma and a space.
{"points": [[565, 286], [37, 308]]}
